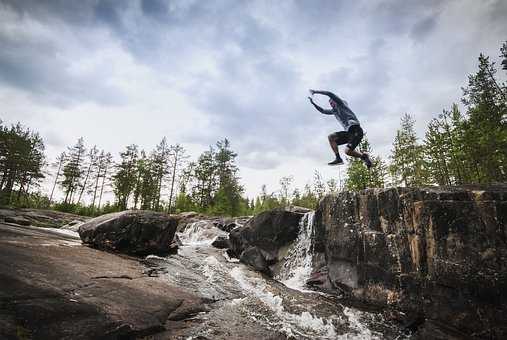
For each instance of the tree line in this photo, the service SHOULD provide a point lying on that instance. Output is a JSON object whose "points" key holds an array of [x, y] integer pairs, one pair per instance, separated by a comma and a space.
{"points": [[458, 148]]}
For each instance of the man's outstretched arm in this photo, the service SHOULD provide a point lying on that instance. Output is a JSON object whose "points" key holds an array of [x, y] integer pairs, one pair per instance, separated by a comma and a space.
{"points": [[321, 110], [329, 94]]}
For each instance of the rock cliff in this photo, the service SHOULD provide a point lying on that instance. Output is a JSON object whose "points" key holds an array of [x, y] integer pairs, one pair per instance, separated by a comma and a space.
{"points": [[439, 253]]}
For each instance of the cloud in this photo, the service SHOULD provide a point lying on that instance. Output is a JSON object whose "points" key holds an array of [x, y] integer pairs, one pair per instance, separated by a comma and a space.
{"points": [[422, 28], [198, 71]]}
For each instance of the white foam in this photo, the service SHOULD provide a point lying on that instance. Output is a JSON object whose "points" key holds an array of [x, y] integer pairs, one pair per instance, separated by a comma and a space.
{"points": [[297, 266], [291, 322], [355, 323], [200, 233]]}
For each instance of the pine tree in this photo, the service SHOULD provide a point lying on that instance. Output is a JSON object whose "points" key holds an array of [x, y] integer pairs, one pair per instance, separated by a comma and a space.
{"points": [[285, 197], [485, 130], [444, 147], [359, 177], [228, 197], [177, 159], [319, 186], [105, 175], [160, 160], [21, 161], [503, 55], [126, 176], [407, 162], [73, 170], [92, 160]]}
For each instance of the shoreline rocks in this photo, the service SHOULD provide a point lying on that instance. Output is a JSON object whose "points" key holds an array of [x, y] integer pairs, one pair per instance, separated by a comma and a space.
{"points": [[135, 232], [38, 217]]}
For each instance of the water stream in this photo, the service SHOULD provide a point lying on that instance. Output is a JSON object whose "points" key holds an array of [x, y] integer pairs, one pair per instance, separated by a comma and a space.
{"points": [[249, 305]]}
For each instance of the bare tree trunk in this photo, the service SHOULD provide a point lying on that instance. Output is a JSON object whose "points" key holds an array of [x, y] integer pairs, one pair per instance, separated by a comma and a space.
{"points": [[102, 186], [96, 187], [172, 182], [84, 184], [56, 179]]}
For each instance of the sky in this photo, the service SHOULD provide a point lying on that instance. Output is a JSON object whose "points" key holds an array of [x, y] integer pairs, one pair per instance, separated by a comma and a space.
{"points": [[132, 72]]}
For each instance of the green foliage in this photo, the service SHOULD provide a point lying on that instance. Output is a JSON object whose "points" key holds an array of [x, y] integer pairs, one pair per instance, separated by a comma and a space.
{"points": [[212, 183], [359, 177], [444, 149], [485, 126], [126, 176], [307, 199], [73, 169], [407, 159], [21, 161]]}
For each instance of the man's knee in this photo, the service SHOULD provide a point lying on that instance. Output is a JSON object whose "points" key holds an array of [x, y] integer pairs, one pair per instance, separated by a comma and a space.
{"points": [[331, 137]]}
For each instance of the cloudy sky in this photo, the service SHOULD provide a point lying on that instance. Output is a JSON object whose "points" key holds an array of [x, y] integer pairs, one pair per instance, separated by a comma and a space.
{"points": [[122, 72]]}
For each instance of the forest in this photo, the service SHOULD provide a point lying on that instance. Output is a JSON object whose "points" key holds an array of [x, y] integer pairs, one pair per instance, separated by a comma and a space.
{"points": [[458, 148]]}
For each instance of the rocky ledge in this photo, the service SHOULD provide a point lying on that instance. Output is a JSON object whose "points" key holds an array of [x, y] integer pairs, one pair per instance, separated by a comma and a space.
{"points": [[437, 253], [39, 217], [54, 288]]}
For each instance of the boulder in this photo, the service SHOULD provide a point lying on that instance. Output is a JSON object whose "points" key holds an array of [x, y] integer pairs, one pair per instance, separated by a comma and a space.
{"points": [[269, 232], [255, 258], [132, 232], [438, 252], [221, 242]]}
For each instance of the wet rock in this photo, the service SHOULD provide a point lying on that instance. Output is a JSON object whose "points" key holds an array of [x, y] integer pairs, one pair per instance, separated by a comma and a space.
{"points": [[254, 257], [221, 242], [438, 252], [269, 232], [226, 225], [50, 290], [38, 217], [17, 220], [73, 225], [132, 232], [187, 218], [297, 209], [201, 232]]}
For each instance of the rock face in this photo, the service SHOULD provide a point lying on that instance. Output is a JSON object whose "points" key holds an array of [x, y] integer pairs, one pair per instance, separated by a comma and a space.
{"points": [[132, 232], [39, 217], [436, 252], [54, 288], [260, 240]]}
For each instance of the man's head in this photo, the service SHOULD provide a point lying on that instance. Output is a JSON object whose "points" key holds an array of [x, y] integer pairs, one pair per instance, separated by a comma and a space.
{"points": [[333, 104]]}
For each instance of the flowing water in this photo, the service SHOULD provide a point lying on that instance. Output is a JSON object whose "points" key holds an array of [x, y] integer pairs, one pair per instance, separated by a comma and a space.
{"points": [[249, 305]]}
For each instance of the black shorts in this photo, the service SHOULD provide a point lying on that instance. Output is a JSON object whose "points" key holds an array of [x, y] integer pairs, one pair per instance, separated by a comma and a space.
{"points": [[352, 137]]}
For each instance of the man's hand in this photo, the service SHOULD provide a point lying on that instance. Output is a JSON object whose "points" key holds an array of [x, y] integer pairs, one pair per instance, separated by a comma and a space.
{"points": [[311, 99], [312, 92]]}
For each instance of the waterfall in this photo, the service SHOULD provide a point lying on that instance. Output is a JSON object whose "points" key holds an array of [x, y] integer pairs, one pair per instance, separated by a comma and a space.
{"points": [[200, 233], [297, 266]]}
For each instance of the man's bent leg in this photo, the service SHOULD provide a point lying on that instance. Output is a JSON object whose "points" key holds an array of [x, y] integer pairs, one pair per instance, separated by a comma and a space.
{"points": [[353, 152], [355, 137], [332, 142], [336, 139]]}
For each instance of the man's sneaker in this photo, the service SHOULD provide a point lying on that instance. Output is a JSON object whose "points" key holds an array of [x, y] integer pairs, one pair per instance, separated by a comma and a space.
{"points": [[366, 159], [337, 161]]}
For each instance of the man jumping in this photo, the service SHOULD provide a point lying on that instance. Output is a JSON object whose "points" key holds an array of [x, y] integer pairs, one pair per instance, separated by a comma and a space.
{"points": [[353, 133]]}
